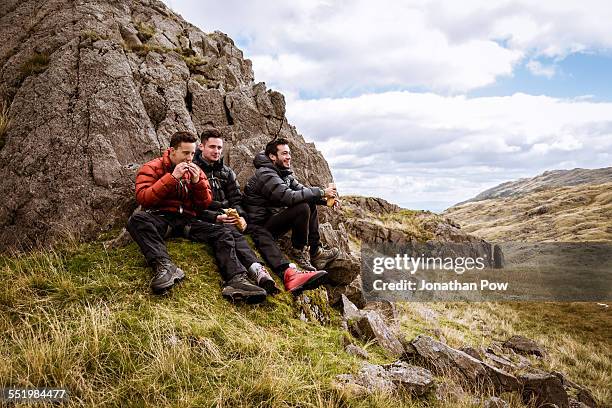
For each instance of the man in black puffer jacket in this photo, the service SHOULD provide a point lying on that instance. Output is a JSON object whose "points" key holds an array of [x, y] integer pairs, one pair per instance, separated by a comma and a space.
{"points": [[225, 195], [277, 203]]}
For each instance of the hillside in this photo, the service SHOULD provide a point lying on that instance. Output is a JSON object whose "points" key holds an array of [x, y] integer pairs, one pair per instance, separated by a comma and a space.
{"points": [[547, 180], [571, 205], [81, 317]]}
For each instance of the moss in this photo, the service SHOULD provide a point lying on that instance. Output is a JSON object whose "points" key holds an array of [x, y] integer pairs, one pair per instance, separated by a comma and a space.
{"points": [[91, 35], [35, 65], [193, 62], [145, 31]]}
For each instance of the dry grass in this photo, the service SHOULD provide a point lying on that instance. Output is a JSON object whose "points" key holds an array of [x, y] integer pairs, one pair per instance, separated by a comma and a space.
{"points": [[578, 213], [577, 336]]}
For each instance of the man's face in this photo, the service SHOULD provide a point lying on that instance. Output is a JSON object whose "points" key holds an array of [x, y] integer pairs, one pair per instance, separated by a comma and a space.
{"points": [[183, 153], [212, 149], [282, 158]]}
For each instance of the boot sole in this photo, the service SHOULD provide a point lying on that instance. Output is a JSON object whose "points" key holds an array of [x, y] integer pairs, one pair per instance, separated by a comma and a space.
{"points": [[179, 275], [270, 287], [314, 282], [241, 296]]}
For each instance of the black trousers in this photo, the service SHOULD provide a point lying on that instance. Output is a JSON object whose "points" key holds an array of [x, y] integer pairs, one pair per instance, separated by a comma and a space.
{"points": [[149, 229], [303, 222], [243, 250]]}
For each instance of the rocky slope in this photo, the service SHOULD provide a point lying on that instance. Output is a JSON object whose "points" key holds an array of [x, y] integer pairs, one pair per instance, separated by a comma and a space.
{"points": [[562, 205], [93, 89]]}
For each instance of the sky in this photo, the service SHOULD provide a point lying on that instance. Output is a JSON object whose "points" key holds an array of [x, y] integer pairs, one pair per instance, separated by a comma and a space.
{"points": [[428, 103]]}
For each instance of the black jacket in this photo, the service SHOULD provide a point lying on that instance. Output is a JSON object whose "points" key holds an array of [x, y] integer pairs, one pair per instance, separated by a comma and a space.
{"points": [[224, 186], [271, 189]]}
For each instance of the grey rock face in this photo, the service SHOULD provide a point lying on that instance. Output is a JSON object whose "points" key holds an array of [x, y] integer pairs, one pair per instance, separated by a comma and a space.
{"points": [[96, 89]]}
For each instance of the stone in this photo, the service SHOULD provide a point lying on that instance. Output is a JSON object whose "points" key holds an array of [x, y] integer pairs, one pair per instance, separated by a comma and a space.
{"points": [[499, 362], [543, 390], [476, 374], [396, 377], [349, 310], [371, 326], [344, 269], [471, 351], [498, 257], [356, 351], [495, 402], [313, 306], [524, 345], [386, 310]]}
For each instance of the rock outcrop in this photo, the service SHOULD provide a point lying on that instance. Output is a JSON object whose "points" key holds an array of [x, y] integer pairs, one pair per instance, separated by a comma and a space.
{"points": [[95, 89]]}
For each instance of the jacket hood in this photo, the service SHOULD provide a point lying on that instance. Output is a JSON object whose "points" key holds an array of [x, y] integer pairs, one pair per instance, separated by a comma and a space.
{"points": [[261, 160]]}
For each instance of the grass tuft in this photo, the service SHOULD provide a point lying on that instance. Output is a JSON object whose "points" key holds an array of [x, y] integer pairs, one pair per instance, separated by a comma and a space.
{"points": [[35, 65]]}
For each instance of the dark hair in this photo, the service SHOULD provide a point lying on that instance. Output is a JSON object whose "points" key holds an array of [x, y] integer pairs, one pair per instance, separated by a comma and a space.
{"points": [[272, 147], [210, 134], [182, 137]]}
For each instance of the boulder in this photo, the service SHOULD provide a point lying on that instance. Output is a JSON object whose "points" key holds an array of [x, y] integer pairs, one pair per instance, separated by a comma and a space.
{"points": [[371, 326], [544, 390], [524, 345], [397, 377], [474, 373]]}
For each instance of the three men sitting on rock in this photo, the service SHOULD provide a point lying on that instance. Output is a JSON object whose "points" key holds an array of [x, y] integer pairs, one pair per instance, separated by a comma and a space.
{"points": [[191, 193]]}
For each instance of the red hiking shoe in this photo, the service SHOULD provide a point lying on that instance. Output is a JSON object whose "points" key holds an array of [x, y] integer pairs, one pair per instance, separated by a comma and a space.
{"points": [[297, 281]]}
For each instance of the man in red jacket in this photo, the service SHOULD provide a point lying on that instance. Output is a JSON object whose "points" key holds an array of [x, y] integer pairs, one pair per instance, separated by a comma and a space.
{"points": [[171, 190]]}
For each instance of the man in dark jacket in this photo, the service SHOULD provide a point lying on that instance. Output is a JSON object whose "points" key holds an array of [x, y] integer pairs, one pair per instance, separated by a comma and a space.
{"points": [[171, 190], [276, 203], [226, 194]]}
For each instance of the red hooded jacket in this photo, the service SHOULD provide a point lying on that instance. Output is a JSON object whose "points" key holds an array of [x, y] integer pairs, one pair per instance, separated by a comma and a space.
{"points": [[157, 189]]}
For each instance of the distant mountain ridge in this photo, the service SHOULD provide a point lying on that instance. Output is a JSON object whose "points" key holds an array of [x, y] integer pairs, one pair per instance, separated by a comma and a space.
{"points": [[560, 205], [548, 179]]}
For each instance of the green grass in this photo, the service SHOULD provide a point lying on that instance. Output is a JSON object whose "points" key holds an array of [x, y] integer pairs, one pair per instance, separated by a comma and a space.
{"points": [[84, 319]]}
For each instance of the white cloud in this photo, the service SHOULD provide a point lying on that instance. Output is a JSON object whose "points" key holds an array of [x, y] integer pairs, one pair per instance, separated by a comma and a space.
{"points": [[536, 68], [424, 150], [434, 148], [344, 48]]}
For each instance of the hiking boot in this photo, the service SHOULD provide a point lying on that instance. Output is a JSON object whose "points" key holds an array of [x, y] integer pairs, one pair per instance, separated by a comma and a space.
{"points": [[239, 288], [262, 278], [302, 258], [297, 281], [323, 257], [166, 274]]}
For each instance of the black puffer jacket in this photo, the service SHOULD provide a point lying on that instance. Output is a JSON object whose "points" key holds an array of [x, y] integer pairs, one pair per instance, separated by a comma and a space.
{"points": [[271, 189], [225, 188]]}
